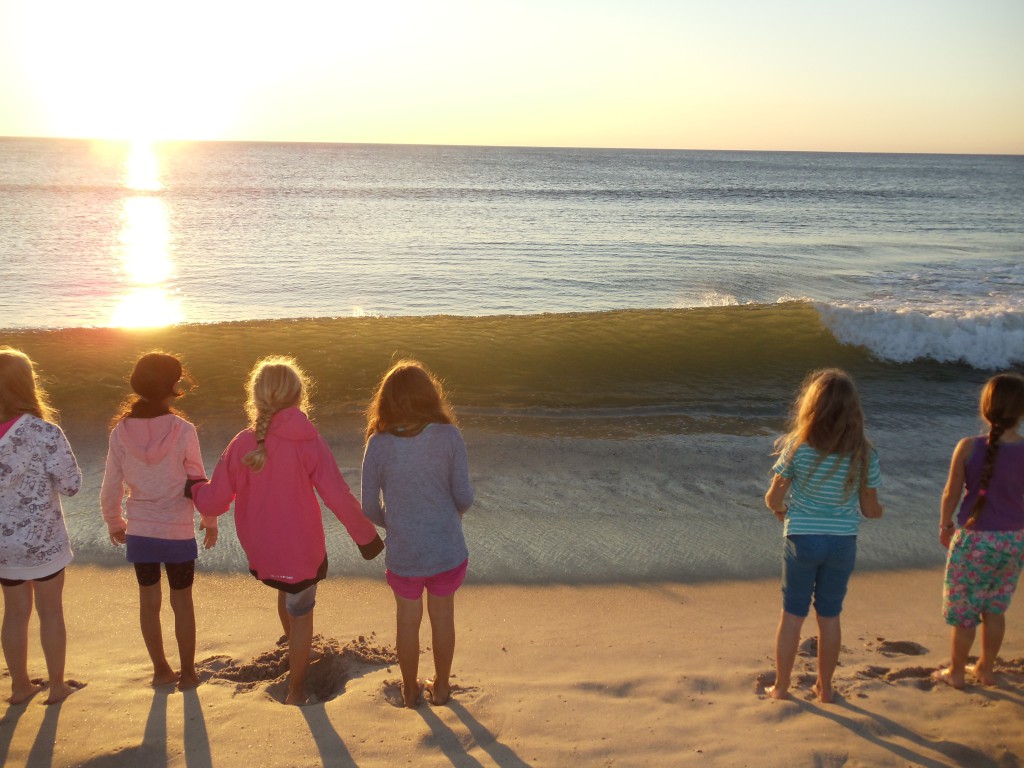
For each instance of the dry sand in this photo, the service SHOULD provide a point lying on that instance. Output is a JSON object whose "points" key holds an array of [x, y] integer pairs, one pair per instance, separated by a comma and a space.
{"points": [[659, 674]]}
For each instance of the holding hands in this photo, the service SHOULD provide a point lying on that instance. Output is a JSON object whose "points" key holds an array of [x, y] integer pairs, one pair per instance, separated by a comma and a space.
{"points": [[209, 526]]}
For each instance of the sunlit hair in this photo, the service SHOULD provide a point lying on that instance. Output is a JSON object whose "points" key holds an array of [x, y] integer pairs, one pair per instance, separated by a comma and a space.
{"points": [[828, 417], [1002, 406], [409, 397], [20, 390], [275, 383], [154, 378]]}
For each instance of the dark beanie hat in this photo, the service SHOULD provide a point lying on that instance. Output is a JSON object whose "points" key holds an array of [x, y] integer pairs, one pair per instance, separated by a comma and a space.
{"points": [[155, 375]]}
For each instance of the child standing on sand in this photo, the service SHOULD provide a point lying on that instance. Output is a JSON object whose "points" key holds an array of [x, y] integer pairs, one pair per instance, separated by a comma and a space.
{"points": [[272, 472], [152, 451], [986, 553], [36, 466], [416, 486], [828, 468]]}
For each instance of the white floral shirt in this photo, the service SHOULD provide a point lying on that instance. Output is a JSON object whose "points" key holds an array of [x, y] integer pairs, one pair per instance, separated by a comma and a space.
{"points": [[36, 466]]}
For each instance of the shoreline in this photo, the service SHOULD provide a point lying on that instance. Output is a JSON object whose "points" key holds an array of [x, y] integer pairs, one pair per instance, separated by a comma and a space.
{"points": [[653, 674]]}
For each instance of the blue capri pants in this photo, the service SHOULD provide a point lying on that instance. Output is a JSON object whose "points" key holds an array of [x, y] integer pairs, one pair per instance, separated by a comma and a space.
{"points": [[817, 566]]}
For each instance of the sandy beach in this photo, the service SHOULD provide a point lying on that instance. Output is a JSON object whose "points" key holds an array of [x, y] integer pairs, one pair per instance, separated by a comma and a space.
{"points": [[658, 674]]}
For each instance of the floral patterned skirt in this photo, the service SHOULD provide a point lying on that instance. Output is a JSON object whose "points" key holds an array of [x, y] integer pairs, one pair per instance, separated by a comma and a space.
{"points": [[981, 574]]}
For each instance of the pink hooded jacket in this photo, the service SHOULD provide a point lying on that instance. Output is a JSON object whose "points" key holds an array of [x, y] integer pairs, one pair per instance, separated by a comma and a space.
{"points": [[277, 515], [151, 459]]}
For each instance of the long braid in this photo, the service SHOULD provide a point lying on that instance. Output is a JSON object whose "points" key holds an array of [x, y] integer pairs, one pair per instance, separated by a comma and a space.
{"points": [[991, 449], [258, 457]]}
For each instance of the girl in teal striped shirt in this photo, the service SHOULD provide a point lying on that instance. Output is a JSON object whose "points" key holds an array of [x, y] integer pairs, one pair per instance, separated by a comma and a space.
{"points": [[829, 471]]}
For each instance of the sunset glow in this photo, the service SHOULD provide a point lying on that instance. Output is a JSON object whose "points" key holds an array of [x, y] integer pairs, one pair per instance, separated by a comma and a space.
{"points": [[915, 76]]}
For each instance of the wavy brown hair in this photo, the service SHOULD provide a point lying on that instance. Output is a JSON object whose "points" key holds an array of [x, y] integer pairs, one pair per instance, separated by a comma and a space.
{"points": [[275, 383], [827, 416], [20, 390], [1002, 406], [154, 379], [409, 397]]}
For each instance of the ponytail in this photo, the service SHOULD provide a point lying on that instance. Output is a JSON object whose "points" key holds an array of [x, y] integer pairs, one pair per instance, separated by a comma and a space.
{"points": [[987, 469], [257, 458]]}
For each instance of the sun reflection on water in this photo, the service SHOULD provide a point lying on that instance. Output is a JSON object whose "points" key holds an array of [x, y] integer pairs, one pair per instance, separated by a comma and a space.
{"points": [[144, 247]]}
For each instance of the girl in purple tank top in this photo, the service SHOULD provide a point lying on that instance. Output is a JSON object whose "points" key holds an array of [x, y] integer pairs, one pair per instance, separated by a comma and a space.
{"points": [[986, 553]]}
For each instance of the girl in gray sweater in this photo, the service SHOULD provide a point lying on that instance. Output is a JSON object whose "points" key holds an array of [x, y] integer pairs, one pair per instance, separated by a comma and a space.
{"points": [[415, 485]]}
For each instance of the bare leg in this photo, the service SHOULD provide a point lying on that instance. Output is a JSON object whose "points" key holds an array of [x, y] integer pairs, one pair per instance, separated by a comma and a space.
{"points": [[993, 628], [830, 640], [14, 636], [410, 615], [442, 631], [150, 599], [300, 641], [185, 634], [282, 613], [53, 635], [963, 639], [787, 640]]}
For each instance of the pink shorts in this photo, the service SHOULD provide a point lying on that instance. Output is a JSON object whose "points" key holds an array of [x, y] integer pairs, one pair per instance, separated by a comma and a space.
{"points": [[439, 585]]}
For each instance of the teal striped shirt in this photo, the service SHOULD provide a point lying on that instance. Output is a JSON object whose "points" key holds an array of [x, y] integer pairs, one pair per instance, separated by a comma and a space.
{"points": [[818, 502]]}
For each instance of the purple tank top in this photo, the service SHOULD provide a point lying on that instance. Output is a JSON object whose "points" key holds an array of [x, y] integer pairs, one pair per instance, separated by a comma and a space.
{"points": [[1004, 498]]}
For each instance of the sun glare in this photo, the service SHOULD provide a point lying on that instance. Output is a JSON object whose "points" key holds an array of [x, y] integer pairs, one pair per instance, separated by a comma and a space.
{"points": [[142, 169], [147, 308], [144, 247]]}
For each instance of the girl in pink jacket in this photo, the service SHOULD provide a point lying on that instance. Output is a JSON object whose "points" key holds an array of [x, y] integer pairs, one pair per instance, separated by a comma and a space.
{"points": [[152, 452], [272, 472]]}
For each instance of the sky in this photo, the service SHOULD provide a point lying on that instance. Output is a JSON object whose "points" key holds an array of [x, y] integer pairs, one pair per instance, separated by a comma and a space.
{"points": [[872, 76]]}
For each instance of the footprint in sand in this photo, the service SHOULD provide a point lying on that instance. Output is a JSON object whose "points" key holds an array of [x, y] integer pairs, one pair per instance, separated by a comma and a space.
{"points": [[899, 647], [331, 665]]}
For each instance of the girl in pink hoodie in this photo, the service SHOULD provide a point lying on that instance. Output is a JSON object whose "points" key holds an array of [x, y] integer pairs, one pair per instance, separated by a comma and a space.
{"points": [[273, 472], [153, 451]]}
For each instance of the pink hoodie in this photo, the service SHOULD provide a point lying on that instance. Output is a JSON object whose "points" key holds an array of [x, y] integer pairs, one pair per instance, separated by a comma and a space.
{"points": [[277, 515], [152, 458]]}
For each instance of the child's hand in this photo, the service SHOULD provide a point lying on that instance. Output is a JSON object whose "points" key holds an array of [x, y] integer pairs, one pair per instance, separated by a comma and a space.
{"points": [[946, 536], [209, 526], [116, 536]]}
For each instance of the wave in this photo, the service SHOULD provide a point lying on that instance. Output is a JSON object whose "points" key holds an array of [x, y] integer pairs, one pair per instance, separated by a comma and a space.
{"points": [[726, 368], [986, 339]]}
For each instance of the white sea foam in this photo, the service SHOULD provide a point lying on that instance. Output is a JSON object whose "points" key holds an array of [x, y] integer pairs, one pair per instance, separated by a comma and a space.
{"points": [[985, 338]]}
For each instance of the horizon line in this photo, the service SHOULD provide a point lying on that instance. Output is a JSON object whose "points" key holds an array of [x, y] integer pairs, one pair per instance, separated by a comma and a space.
{"points": [[313, 142]]}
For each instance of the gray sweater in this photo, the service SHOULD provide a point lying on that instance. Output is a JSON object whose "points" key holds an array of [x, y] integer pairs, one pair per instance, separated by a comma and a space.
{"points": [[417, 489]]}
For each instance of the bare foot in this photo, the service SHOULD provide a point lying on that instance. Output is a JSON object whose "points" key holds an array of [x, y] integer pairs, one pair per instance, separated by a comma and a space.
{"points": [[295, 698], [774, 692], [168, 677], [946, 676], [436, 693], [983, 676], [187, 681], [411, 697], [21, 695], [825, 695], [61, 691]]}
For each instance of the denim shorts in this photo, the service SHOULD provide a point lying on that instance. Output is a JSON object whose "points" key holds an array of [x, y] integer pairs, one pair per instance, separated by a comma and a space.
{"points": [[818, 566]]}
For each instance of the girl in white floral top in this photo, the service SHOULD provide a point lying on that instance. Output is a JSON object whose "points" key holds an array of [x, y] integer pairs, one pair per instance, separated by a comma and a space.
{"points": [[36, 466]]}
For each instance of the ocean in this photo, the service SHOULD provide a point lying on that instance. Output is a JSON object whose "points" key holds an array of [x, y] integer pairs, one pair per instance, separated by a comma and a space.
{"points": [[621, 331]]}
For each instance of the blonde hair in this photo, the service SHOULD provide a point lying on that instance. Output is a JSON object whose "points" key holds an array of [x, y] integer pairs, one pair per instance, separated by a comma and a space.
{"points": [[827, 416], [275, 383], [409, 397], [20, 390], [1002, 406]]}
